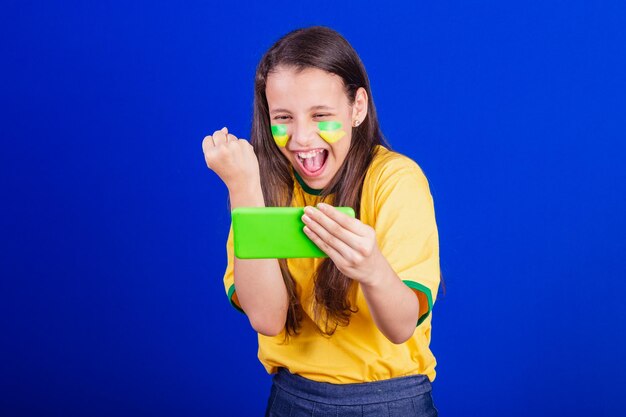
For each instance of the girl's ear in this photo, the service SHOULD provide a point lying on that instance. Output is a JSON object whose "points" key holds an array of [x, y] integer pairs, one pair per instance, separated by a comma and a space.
{"points": [[359, 108]]}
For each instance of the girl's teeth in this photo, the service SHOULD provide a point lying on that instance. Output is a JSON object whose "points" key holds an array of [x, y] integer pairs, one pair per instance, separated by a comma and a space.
{"points": [[310, 154]]}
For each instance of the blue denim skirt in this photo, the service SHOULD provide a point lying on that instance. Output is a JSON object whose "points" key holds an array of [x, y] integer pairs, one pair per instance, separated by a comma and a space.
{"points": [[295, 396]]}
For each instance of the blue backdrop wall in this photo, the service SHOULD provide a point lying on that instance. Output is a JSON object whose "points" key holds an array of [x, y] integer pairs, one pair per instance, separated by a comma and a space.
{"points": [[113, 229]]}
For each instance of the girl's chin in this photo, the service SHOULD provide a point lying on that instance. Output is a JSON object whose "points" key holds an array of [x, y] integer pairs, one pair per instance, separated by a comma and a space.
{"points": [[316, 184]]}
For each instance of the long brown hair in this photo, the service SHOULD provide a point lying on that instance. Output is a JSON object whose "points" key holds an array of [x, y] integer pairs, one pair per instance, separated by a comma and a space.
{"points": [[325, 49]]}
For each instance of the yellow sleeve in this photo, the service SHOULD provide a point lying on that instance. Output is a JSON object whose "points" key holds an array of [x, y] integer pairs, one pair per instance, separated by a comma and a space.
{"points": [[406, 229], [229, 275]]}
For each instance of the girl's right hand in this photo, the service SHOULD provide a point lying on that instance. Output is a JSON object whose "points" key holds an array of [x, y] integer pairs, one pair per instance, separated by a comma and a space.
{"points": [[232, 159]]}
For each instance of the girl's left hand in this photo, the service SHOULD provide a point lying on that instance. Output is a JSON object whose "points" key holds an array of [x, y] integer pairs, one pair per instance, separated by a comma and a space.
{"points": [[350, 243]]}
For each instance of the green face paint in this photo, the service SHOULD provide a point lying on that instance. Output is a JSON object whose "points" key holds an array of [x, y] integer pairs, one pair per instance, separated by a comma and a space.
{"points": [[330, 131], [279, 132]]}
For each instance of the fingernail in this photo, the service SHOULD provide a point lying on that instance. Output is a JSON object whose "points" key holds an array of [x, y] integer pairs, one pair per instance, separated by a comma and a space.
{"points": [[305, 218]]}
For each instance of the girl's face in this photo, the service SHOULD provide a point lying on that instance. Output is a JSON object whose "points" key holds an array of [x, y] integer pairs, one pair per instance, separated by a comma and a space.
{"points": [[312, 120]]}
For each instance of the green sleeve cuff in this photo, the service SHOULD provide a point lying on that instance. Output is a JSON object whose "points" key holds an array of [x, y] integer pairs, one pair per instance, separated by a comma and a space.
{"points": [[231, 292], [422, 288]]}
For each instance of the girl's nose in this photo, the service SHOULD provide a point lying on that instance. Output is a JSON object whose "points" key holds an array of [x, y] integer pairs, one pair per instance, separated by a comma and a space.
{"points": [[303, 135]]}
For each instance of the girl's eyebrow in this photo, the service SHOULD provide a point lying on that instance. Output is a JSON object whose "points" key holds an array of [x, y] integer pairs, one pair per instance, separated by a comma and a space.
{"points": [[321, 107], [318, 107], [279, 111]]}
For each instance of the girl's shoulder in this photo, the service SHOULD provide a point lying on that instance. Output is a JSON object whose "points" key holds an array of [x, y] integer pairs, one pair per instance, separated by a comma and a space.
{"points": [[390, 165], [393, 181]]}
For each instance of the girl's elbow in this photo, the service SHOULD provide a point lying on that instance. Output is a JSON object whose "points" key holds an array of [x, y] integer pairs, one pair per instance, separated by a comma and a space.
{"points": [[402, 336], [268, 326], [398, 340]]}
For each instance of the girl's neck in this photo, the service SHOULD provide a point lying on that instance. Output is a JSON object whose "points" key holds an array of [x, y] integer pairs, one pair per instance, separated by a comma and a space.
{"points": [[304, 185]]}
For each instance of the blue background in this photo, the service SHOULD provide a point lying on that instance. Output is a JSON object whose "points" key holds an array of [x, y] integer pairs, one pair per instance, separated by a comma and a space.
{"points": [[113, 229]]}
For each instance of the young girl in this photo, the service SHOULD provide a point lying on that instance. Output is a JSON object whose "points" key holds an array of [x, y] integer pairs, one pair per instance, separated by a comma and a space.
{"points": [[348, 334]]}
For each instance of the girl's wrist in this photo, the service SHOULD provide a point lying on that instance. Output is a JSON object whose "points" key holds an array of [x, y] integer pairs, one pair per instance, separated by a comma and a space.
{"points": [[378, 274], [246, 194]]}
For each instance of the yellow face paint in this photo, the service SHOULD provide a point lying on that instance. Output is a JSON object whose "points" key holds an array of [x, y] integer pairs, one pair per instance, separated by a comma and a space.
{"points": [[330, 131], [279, 132]]}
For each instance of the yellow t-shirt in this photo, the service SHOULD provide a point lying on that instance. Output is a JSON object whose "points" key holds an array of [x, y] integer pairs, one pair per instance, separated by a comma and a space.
{"points": [[397, 203]]}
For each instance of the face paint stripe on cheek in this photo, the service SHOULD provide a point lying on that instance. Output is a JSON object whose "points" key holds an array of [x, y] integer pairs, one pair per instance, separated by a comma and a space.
{"points": [[279, 132], [329, 126], [330, 131]]}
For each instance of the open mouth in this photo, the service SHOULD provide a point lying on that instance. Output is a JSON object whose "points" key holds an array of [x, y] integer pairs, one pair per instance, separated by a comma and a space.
{"points": [[312, 162]]}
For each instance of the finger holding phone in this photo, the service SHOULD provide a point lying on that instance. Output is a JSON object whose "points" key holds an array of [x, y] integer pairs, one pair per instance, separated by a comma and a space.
{"points": [[350, 243]]}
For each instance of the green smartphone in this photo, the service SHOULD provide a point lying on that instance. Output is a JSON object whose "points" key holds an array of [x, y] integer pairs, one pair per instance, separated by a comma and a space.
{"points": [[274, 232]]}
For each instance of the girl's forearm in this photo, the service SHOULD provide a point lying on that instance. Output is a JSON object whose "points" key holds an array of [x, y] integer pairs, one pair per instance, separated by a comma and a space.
{"points": [[260, 289], [393, 305], [262, 294]]}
